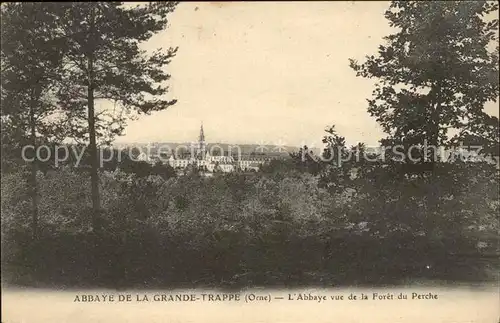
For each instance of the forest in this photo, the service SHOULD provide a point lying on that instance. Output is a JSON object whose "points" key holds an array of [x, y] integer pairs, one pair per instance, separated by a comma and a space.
{"points": [[307, 220]]}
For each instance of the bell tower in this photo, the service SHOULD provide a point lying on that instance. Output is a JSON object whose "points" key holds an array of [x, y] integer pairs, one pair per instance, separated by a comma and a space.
{"points": [[201, 143]]}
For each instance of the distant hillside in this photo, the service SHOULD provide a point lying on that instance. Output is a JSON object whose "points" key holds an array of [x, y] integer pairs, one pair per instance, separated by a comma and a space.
{"points": [[213, 148]]}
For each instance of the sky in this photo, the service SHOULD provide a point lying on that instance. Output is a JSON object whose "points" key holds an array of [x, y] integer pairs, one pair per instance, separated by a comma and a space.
{"points": [[267, 73]]}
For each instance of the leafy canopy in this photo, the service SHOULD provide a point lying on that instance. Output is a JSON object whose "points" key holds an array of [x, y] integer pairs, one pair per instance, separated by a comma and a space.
{"points": [[436, 72]]}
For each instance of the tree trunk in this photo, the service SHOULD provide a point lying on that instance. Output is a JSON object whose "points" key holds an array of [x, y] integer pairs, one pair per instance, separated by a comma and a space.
{"points": [[94, 157], [34, 183], [96, 259], [435, 119]]}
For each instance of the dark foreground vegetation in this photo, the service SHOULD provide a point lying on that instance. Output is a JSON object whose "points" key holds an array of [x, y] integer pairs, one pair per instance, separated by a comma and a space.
{"points": [[283, 226]]}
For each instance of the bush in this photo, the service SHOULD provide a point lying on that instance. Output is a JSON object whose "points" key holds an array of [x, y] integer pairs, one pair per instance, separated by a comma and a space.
{"points": [[249, 229]]}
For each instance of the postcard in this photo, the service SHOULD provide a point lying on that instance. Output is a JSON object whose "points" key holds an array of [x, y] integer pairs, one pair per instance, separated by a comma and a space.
{"points": [[250, 162]]}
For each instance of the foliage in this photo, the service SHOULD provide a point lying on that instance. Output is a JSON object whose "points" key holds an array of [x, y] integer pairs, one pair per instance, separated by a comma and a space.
{"points": [[436, 72], [108, 35], [253, 229], [31, 68]]}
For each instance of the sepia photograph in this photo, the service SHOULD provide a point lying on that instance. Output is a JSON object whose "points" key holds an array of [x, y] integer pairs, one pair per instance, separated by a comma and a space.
{"points": [[292, 161]]}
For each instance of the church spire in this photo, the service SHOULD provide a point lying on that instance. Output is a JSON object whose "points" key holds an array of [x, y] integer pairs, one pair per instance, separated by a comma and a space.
{"points": [[201, 143], [202, 134]]}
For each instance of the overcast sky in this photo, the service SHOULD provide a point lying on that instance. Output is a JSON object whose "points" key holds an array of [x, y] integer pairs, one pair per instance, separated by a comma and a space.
{"points": [[267, 72]]}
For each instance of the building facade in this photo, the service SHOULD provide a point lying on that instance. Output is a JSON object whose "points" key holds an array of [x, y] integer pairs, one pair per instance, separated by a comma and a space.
{"points": [[203, 160]]}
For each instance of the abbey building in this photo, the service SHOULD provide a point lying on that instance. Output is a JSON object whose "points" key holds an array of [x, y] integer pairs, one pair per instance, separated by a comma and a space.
{"points": [[211, 158]]}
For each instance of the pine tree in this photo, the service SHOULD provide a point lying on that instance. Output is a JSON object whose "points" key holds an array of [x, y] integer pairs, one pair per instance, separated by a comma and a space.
{"points": [[106, 63], [31, 67], [435, 73]]}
